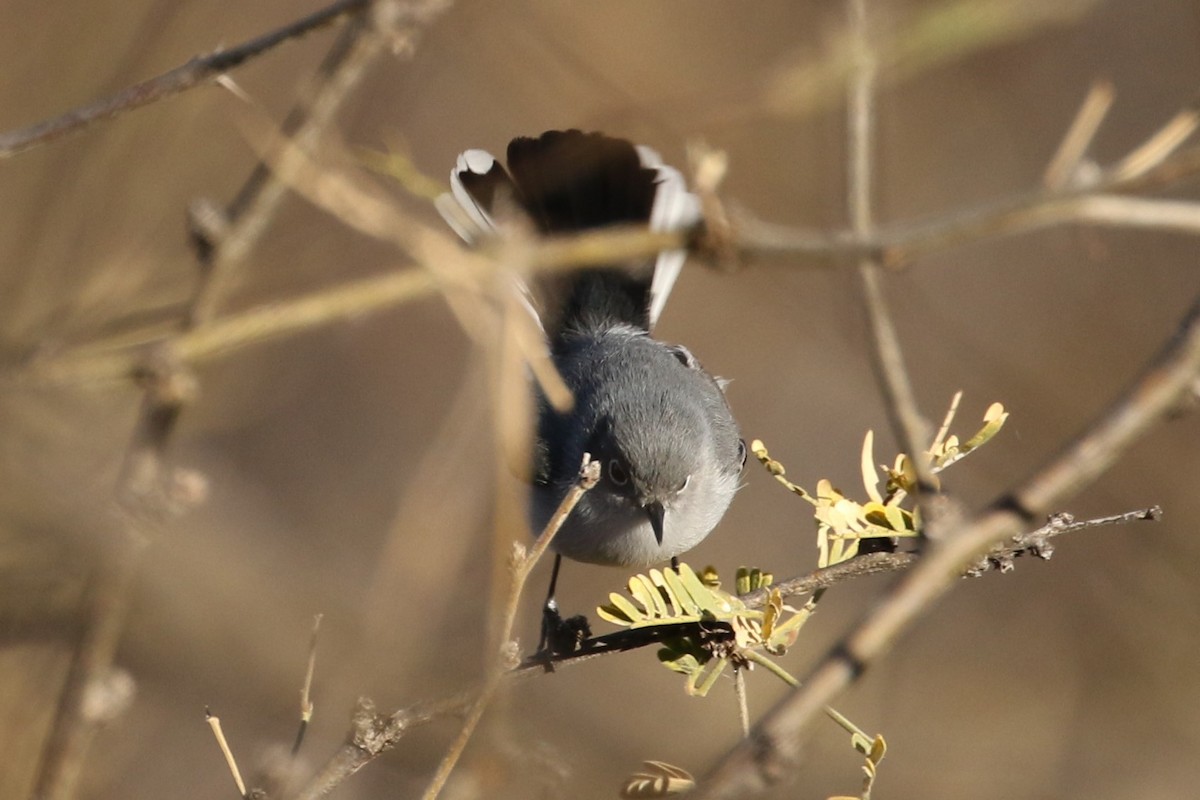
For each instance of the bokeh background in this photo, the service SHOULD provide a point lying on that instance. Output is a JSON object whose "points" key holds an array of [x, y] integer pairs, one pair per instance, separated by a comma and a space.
{"points": [[349, 467]]}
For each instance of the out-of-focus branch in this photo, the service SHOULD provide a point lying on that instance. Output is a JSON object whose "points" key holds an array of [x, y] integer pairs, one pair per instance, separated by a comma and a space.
{"points": [[520, 566], [929, 36], [197, 71], [98, 362], [900, 243], [774, 743], [890, 373], [224, 242], [1074, 146], [1105, 200], [373, 734], [148, 493]]}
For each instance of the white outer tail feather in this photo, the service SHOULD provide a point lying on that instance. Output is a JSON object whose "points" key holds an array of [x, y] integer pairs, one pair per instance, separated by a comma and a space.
{"points": [[675, 208]]}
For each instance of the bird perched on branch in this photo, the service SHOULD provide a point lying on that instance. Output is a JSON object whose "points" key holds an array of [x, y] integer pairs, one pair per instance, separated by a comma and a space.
{"points": [[657, 422]]}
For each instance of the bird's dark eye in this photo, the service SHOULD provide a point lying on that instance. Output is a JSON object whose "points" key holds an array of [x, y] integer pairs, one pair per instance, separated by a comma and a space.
{"points": [[617, 472], [741, 453], [685, 483], [685, 356]]}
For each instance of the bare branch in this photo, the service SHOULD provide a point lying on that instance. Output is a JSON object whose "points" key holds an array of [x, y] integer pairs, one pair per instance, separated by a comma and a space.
{"points": [[197, 71], [774, 743], [1078, 139], [214, 722], [146, 491], [521, 565], [910, 428], [306, 705], [1161, 145], [384, 25], [373, 734]]}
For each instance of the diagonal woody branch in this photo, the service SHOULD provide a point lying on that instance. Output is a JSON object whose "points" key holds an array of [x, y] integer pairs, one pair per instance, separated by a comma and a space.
{"points": [[774, 743]]}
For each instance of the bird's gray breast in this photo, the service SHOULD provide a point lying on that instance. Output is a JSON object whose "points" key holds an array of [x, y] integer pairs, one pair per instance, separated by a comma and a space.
{"points": [[651, 405]]}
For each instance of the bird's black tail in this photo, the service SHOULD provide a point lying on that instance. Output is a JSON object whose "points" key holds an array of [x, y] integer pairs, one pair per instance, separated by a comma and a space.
{"points": [[568, 181]]}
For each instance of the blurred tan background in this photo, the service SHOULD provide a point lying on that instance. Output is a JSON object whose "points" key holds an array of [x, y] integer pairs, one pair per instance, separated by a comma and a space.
{"points": [[1073, 678]]}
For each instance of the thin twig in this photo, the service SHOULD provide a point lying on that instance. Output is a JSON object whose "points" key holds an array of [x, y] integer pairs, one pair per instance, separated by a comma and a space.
{"points": [[896, 245], [143, 500], [1138, 212], [370, 35], [1065, 163], [214, 722], [522, 564], [306, 706], [100, 362], [900, 243], [739, 692], [910, 429], [197, 71], [107, 604], [372, 734], [1160, 145], [774, 743]]}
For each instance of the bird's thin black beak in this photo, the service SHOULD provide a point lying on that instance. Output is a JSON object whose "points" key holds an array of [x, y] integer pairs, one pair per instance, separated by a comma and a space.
{"points": [[656, 512]]}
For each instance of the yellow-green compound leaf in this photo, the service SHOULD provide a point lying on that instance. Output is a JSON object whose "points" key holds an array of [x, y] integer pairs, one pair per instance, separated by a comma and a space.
{"points": [[994, 419], [620, 611], [878, 749], [659, 580], [705, 598], [869, 475], [647, 594], [772, 611], [823, 546], [680, 594], [899, 519], [685, 663], [751, 579]]}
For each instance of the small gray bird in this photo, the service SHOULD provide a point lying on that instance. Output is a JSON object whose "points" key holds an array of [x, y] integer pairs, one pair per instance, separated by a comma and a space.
{"points": [[660, 426]]}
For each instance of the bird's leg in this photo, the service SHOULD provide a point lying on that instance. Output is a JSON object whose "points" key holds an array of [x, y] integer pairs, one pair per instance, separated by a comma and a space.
{"points": [[560, 636], [551, 619], [675, 563]]}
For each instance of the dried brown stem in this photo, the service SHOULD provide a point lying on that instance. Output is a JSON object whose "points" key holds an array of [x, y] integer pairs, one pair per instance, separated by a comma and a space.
{"points": [[306, 704]]}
